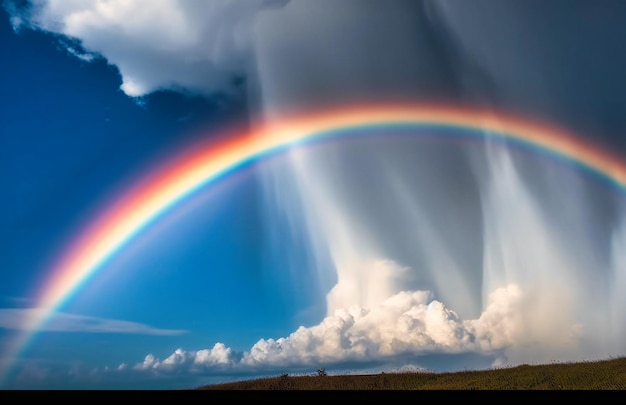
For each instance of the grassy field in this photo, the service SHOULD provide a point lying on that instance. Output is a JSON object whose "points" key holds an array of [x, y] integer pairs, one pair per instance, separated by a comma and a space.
{"points": [[597, 375]]}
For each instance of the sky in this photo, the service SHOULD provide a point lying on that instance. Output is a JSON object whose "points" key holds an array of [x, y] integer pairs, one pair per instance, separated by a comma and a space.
{"points": [[404, 247]]}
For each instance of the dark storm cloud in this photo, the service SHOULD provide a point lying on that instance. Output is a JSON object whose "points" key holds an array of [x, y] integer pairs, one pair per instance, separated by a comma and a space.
{"points": [[561, 61]]}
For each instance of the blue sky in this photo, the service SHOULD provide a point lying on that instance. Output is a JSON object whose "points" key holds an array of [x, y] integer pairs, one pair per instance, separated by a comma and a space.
{"points": [[71, 138], [262, 271]]}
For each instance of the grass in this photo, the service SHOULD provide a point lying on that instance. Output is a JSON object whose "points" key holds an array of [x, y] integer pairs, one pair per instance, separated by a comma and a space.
{"points": [[594, 375]]}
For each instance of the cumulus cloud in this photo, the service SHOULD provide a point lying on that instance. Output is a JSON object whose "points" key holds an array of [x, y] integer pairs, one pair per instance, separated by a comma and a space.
{"points": [[410, 322], [219, 355], [407, 323], [197, 45], [22, 319]]}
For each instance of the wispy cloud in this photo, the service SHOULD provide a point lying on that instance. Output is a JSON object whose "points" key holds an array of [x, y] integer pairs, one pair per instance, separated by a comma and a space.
{"points": [[84, 56], [18, 301], [20, 319]]}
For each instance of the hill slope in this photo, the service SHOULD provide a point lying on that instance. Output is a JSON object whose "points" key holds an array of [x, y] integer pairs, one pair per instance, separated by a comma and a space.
{"points": [[597, 375]]}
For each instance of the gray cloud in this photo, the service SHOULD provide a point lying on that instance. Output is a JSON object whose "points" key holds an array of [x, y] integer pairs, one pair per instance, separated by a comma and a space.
{"points": [[557, 60]]}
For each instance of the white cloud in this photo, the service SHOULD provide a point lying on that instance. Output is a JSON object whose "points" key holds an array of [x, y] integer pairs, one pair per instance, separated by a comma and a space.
{"points": [[149, 362], [156, 44], [219, 355], [84, 56], [407, 323], [23, 319]]}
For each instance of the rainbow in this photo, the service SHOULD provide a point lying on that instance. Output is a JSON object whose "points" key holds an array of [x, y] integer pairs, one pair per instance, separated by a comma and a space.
{"points": [[200, 166]]}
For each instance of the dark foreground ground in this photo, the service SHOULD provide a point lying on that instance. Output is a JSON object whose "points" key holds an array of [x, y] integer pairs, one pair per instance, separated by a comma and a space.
{"points": [[598, 375]]}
